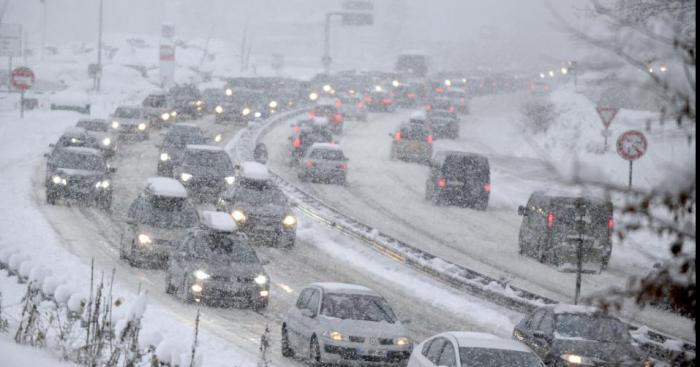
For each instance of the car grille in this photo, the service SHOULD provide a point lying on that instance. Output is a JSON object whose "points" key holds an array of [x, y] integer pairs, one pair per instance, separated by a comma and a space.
{"points": [[81, 183], [386, 341], [226, 278], [357, 339]]}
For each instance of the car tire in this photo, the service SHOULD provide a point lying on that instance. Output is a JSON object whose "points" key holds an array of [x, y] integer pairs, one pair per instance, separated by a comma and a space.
{"points": [[287, 350], [342, 180], [51, 197], [169, 287], [105, 203], [315, 353], [260, 305], [481, 205]]}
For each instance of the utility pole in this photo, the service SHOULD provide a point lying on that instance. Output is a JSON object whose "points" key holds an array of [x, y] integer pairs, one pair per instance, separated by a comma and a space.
{"points": [[98, 75], [326, 59], [580, 230], [43, 29]]}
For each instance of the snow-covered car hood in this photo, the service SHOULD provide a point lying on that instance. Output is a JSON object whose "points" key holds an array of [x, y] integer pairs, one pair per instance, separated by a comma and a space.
{"points": [[363, 328], [604, 351], [219, 268], [77, 172], [158, 233], [262, 210]]}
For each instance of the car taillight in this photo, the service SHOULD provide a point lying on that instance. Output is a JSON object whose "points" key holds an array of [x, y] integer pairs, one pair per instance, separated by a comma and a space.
{"points": [[296, 129], [360, 104], [452, 109], [487, 187], [611, 224], [441, 183], [368, 99], [386, 100], [338, 117], [428, 108], [309, 164], [429, 139], [312, 114], [297, 142], [397, 136], [411, 95], [338, 103], [343, 166], [550, 220]]}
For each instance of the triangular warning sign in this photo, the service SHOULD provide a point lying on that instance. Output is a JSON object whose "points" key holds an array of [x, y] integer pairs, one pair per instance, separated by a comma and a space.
{"points": [[607, 114]]}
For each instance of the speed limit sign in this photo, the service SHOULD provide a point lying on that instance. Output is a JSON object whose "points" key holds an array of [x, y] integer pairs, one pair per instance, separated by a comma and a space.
{"points": [[631, 145]]}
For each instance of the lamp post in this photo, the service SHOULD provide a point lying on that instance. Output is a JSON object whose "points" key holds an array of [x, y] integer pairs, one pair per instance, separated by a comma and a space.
{"points": [[98, 74]]}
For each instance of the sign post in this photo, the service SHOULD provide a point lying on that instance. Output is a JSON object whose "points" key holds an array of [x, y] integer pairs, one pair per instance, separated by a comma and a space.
{"points": [[631, 145], [22, 79], [607, 114]]}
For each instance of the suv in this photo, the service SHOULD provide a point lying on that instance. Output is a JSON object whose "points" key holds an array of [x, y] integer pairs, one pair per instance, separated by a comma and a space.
{"points": [[76, 137], [412, 141], [459, 178], [548, 231], [160, 108], [352, 106], [214, 264], [328, 109], [324, 162], [100, 130], [205, 170], [78, 173], [458, 98], [187, 100], [156, 219], [344, 323], [259, 207], [172, 149], [130, 122]]}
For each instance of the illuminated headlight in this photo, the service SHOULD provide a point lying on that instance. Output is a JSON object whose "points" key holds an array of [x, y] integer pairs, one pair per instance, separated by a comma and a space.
{"points": [[264, 293], [273, 104], [261, 279], [58, 180], [327, 88], [217, 138], [257, 114], [289, 221], [165, 116], [378, 88], [201, 275], [395, 83], [198, 103], [144, 239], [142, 126], [335, 336], [102, 184], [576, 359], [313, 96], [173, 114], [230, 180], [245, 112], [219, 109], [402, 341], [106, 142], [196, 288], [164, 157], [115, 124], [238, 216], [229, 92], [185, 177], [74, 140]]}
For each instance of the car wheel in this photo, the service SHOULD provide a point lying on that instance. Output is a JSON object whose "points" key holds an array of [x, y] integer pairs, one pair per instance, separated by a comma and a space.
{"points": [[105, 203], [260, 305], [51, 197], [481, 205], [169, 287], [315, 353], [289, 244], [287, 350], [342, 180]]}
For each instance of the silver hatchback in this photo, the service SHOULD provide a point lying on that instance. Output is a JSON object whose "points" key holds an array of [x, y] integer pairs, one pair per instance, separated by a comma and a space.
{"points": [[324, 162]]}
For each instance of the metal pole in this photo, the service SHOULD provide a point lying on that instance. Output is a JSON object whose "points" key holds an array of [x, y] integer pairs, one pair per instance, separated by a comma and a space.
{"points": [[630, 180], [43, 31], [9, 74], [98, 76], [580, 228], [605, 145], [21, 104], [327, 45]]}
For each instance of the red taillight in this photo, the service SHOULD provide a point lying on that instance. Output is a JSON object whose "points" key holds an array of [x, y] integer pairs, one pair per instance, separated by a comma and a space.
{"points": [[296, 129], [463, 100], [312, 114], [429, 139], [297, 142], [487, 187], [550, 220], [343, 166], [360, 104], [368, 99], [397, 136], [386, 100], [411, 95], [338, 103], [441, 183], [309, 164], [611, 224], [452, 109], [338, 117], [428, 107], [439, 90]]}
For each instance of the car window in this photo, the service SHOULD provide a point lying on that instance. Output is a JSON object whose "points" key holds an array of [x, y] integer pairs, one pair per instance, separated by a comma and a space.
{"points": [[487, 357], [426, 347], [534, 321], [435, 349], [414, 133], [128, 113], [314, 300], [357, 307], [304, 298], [327, 154], [447, 357], [66, 159], [547, 323]]}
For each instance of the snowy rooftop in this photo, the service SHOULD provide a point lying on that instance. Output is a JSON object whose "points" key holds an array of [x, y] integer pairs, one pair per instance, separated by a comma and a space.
{"points": [[485, 340], [327, 146], [218, 221], [418, 115], [344, 288], [254, 171], [326, 102], [319, 121], [164, 186], [211, 148]]}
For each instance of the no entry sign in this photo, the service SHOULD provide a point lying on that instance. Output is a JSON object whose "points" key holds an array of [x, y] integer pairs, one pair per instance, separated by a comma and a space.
{"points": [[22, 78], [607, 114], [631, 145]]}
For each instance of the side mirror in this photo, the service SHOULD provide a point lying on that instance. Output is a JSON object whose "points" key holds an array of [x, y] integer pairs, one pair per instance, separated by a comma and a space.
{"points": [[541, 335], [308, 313], [522, 211]]}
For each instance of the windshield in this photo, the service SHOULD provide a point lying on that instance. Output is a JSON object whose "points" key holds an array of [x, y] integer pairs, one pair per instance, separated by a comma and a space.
{"points": [[87, 162], [155, 102], [591, 327], [93, 125], [460, 167], [327, 154], [486, 357], [222, 247], [211, 159], [128, 113], [325, 109], [164, 212], [182, 138], [357, 307], [261, 197]]}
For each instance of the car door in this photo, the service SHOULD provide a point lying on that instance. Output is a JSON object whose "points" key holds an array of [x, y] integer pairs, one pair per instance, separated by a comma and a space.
{"points": [[419, 358], [435, 351], [293, 319], [308, 322], [448, 356], [529, 326]]}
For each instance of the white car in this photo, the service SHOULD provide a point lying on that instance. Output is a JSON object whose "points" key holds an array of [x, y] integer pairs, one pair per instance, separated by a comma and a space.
{"points": [[345, 324], [462, 349]]}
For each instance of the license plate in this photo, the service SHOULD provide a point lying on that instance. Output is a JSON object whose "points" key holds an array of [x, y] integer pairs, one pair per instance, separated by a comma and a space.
{"points": [[455, 183], [374, 353]]}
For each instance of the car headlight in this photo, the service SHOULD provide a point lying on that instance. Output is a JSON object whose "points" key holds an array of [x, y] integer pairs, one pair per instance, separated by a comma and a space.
{"points": [[144, 239], [245, 112], [273, 104], [185, 177], [218, 138], [56, 179], [106, 142], [313, 96], [402, 341], [164, 157], [165, 116], [201, 275], [230, 180], [102, 184], [577, 359], [173, 114], [199, 103], [238, 216], [258, 114], [289, 220], [115, 124], [261, 279], [142, 126], [196, 288], [229, 92], [219, 109], [335, 335]]}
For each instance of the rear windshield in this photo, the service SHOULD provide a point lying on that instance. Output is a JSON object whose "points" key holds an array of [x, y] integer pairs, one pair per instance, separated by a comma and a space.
{"points": [[327, 154], [565, 213], [128, 113], [164, 212], [93, 125], [357, 307], [182, 138], [414, 133], [461, 167], [214, 159], [323, 109]]}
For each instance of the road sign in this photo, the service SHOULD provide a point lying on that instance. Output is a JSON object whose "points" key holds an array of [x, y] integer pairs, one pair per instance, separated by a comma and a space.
{"points": [[22, 78], [607, 114], [631, 145], [357, 19], [167, 53], [11, 40]]}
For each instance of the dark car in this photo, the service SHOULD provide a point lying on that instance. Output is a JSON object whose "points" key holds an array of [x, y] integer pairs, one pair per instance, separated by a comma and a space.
{"points": [[259, 207], [205, 171], [412, 142], [215, 264], [130, 123], [459, 178], [160, 109], [567, 335], [458, 97], [100, 130], [242, 106], [549, 231], [441, 103], [379, 100], [187, 101], [324, 162], [306, 133], [172, 150], [328, 108], [76, 137], [78, 173]]}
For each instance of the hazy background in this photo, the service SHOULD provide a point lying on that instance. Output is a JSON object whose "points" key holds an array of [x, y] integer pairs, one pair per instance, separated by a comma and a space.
{"points": [[493, 35]]}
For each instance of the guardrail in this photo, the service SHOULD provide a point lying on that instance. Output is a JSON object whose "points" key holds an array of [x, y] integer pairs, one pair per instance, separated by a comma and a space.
{"points": [[658, 345]]}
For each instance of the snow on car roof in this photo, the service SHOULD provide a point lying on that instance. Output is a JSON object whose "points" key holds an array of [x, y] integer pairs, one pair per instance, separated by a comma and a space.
{"points": [[418, 115], [211, 148], [74, 130], [485, 340], [344, 288], [561, 308], [165, 186], [184, 125], [254, 171], [101, 121], [82, 150], [328, 146], [319, 121], [218, 221]]}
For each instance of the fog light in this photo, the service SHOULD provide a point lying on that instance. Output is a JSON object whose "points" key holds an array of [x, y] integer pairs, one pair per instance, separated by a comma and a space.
{"points": [[196, 288]]}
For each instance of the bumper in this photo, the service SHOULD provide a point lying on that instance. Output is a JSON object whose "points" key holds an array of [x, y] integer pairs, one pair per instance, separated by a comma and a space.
{"points": [[79, 193], [155, 255], [230, 293], [133, 135], [413, 154], [353, 355], [319, 174]]}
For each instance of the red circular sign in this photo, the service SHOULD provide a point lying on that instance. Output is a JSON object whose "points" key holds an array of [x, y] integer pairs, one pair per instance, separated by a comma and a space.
{"points": [[631, 145], [22, 78]]}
